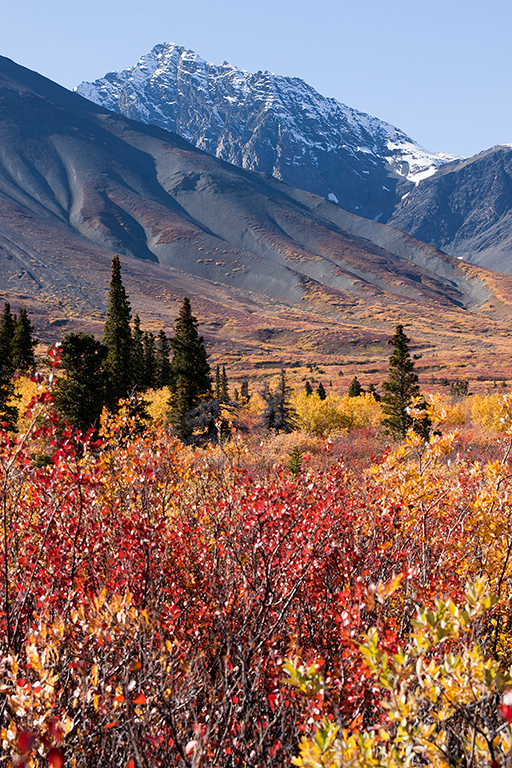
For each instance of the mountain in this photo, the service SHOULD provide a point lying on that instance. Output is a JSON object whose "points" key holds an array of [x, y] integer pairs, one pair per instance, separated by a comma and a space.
{"points": [[465, 209], [264, 122], [283, 127], [272, 271]]}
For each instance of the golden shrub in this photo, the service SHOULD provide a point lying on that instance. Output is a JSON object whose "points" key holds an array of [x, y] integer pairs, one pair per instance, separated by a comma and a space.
{"points": [[158, 404], [322, 417]]}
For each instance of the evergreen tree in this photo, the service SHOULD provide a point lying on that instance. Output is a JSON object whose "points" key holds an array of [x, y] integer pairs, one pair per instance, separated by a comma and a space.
{"points": [[217, 383], [6, 338], [355, 389], [279, 414], [117, 337], [221, 385], [8, 410], [80, 392], [244, 392], [149, 359], [23, 344], [138, 369], [224, 390], [400, 388], [372, 391], [163, 360], [322, 394], [190, 373], [308, 389]]}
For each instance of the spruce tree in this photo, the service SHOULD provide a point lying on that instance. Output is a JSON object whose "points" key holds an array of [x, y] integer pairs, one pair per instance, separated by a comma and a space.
{"points": [[322, 394], [80, 392], [355, 389], [221, 385], [8, 410], [308, 389], [117, 337], [224, 390], [6, 338], [217, 383], [190, 382], [149, 359], [372, 391], [400, 388], [244, 392], [279, 413], [163, 360], [138, 371], [23, 344]]}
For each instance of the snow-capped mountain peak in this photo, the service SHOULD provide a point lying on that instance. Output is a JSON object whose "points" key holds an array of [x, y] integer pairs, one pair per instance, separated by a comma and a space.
{"points": [[270, 123]]}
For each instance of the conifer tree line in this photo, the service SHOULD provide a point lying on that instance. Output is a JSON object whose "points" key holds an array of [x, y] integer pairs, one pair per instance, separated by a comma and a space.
{"points": [[129, 360], [16, 355]]}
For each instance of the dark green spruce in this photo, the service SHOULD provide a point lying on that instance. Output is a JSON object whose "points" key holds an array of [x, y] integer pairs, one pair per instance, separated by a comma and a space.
{"points": [[400, 389], [162, 360], [117, 337], [23, 343], [80, 392], [190, 382], [8, 409]]}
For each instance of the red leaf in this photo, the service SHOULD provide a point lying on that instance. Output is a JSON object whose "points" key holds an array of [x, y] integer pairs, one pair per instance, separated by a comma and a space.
{"points": [[25, 742], [55, 758], [141, 699]]}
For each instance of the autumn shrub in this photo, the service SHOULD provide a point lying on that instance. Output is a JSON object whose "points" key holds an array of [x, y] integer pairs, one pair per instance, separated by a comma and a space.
{"points": [[443, 700], [151, 593], [321, 417], [158, 404]]}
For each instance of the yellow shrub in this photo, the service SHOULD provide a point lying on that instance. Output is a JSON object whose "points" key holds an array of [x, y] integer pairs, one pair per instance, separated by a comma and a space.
{"points": [[444, 411], [486, 411], [24, 390], [158, 403], [320, 417], [277, 448]]}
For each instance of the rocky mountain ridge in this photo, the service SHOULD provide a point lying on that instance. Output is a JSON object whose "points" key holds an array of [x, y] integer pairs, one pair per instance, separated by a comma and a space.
{"points": [[284, 128], [265, 122]]}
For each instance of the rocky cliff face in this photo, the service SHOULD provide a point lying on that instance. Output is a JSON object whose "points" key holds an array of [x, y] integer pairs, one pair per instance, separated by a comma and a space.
{"points": [[465, 209], [277, 125]]}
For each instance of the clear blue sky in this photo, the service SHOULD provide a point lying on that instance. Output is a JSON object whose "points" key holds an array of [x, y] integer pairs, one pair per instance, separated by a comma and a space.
{"points": [[441, 70]]}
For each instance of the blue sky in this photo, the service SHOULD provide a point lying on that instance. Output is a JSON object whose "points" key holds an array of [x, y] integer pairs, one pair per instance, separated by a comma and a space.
{"points": [[441, 70]]}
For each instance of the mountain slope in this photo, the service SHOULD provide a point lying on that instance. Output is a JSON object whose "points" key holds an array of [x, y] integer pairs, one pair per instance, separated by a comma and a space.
{"points": [[79, 183], [265, 122], [283, 127], [465, 209]]}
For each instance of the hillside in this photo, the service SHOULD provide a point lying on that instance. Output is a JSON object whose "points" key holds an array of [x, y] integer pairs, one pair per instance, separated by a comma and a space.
{"points": [[465, 209], [273, 273], [282, 126], [270, 123]]}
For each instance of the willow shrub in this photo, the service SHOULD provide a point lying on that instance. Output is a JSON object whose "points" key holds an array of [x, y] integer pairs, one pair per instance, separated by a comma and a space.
{"points": [[321, 417]]}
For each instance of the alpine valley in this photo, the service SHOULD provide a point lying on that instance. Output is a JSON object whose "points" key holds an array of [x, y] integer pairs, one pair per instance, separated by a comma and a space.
{"points": [[276, 273]]}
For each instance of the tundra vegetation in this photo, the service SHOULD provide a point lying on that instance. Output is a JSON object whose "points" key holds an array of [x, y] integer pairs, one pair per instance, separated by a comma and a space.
{"points": [[303, 589]]}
